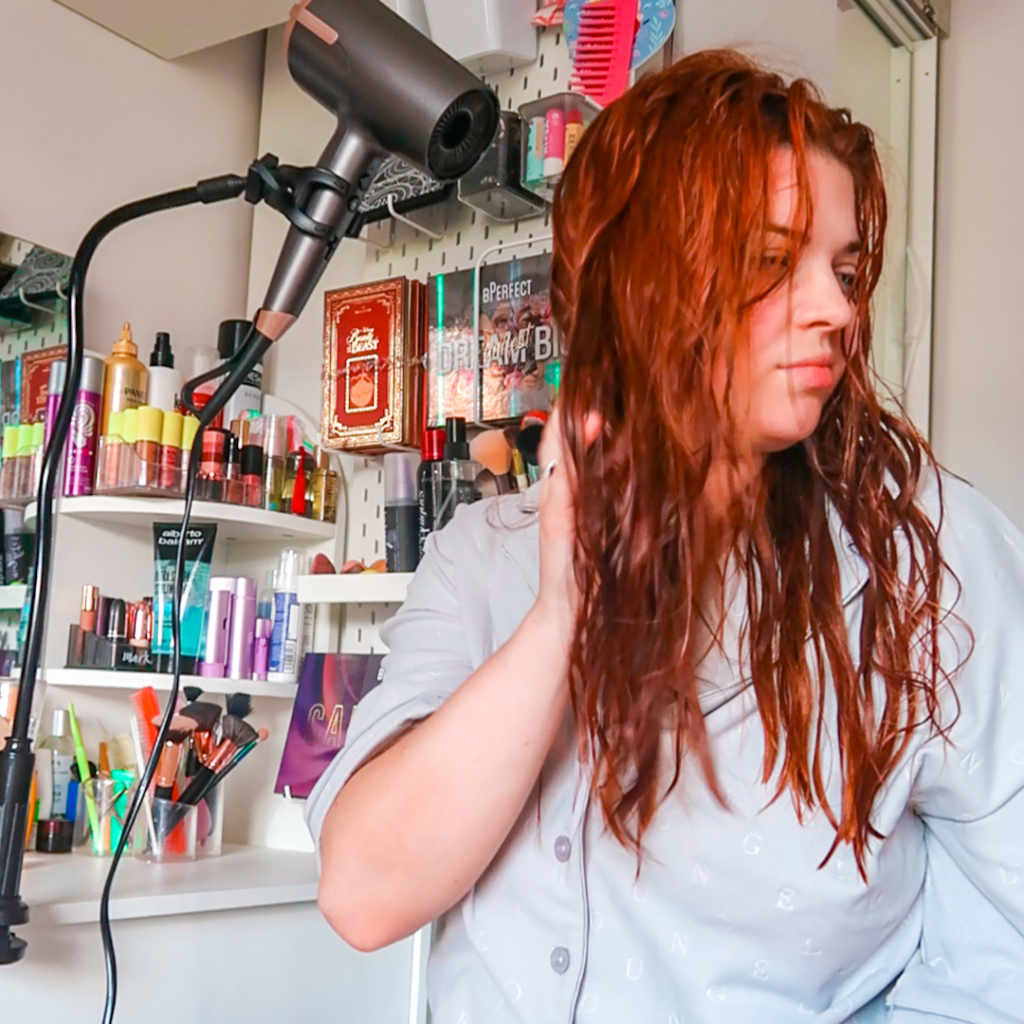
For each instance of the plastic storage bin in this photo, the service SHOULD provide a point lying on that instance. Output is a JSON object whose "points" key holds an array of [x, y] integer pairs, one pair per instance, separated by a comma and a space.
{"points": [[494, 186], [552, 128], [168, 833]]}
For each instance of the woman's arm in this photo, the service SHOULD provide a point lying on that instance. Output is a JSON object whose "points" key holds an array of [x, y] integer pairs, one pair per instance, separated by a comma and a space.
{"points": [[414, 828]]}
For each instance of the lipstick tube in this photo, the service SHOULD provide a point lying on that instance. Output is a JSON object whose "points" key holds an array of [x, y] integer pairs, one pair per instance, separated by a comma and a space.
{"points": [[243, 629], [218, 627]]}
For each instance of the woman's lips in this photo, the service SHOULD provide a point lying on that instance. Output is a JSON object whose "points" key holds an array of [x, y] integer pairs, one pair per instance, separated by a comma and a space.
{"points": [[812, 373]]}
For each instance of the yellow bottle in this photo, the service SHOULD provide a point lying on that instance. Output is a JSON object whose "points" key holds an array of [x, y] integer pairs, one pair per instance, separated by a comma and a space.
{"points": [[124, 382]]}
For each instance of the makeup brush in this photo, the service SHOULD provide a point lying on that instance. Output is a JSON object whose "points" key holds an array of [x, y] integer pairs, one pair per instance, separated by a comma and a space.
{"points": [[206, 715], [528, 442], [239, 757], [237, 734], [170, 758], [192, 693], [239, 705]]}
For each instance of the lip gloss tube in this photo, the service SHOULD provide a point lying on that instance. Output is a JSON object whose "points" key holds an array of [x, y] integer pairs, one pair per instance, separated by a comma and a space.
{"points": [[169, 477], [110, 452], [554, 142], [147, 444], [128, 470], [189, 426], [90, 601]]}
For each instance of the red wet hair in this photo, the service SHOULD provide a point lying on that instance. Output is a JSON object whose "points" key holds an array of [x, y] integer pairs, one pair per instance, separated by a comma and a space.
{"points": [[660, 221]]}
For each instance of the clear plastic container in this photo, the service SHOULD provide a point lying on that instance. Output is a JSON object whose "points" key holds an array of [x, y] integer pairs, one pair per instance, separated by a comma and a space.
{"points": [[136, 469], [111, 799], [210, 823], [169, 835], [552, 127]]}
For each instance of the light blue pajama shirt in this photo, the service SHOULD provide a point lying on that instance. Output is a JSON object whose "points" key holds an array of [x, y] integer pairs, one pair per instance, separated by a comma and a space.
{"points": [[731, 920]]}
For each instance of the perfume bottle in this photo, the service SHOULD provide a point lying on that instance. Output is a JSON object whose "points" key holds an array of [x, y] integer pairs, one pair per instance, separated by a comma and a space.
{"points": [[454, 475]]}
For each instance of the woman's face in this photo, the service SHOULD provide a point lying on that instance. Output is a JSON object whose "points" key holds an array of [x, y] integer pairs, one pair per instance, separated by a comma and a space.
{"points": [[796, 353]]}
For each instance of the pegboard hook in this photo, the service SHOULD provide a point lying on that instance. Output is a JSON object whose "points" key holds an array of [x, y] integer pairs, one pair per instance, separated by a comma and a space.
{"points": [[411, 223], [34, 305]]}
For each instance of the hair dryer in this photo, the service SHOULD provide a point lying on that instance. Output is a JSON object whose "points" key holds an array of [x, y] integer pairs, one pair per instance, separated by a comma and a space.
{"points": [[393, 91]]}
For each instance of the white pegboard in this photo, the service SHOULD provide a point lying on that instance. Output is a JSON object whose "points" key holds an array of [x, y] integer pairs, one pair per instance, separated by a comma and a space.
{"points": [[413, 254]]}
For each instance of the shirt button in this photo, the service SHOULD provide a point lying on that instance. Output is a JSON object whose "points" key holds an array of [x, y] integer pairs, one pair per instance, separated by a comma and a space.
{"points": [[559, 959], [563, 847]]}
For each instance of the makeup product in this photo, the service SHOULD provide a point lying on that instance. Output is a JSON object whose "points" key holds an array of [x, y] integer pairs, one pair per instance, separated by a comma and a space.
{"points": [[163, 387], [38, 450], [109, 471], [44, 781], [204, 360], [261, 648], [234, 489], [55, 835], [238, 704], [432, 451], [453, 476], [275, 446], [124, 381], [519, 468], [243, 752], [198, 555], [23, 462], [243, 629], [265, 601], [535, 150], [248, 397], [325, 482], [19, 546], [167, 768], [169, 475], [210, 482], [401, 512], [147, 444], [141, 635], [84, 433], [83, 770], [7, 466], [87, 616], [292, 466], [573, 132], [117, 623], [54, 388], [554, 142], [128, 470], [219, 605], [292, 621], [189, 429], [236, 735], [528, 443], [62, 756], [252, 475]]}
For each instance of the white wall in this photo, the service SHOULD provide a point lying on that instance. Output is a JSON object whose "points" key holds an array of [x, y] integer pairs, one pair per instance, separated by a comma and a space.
{"points": [[90, 122], [978, 356]]}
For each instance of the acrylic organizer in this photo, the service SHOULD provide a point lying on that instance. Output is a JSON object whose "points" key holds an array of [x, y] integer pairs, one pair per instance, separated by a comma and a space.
{"points": [[494, 186], [135, 469], [102, 808], [20, 464], [552, 128], [165, 831], [210, 823]]}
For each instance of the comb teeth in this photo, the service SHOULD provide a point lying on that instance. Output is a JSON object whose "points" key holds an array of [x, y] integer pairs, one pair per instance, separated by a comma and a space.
{"points": [[604, 48]]}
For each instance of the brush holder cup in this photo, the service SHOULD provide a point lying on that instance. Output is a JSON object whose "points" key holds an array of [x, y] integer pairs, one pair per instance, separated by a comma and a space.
{"points": [[210, 823], [169, 834], [98, 829]]}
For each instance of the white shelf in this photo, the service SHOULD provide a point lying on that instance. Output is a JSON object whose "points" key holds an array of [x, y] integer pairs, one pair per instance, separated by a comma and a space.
{"points": [[12, 597], [65, 889], [104, 679], [353, 588], [235, 522]]}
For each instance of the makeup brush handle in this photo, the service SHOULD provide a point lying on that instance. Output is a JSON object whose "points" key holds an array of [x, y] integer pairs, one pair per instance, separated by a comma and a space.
{"points": [[218, 778], [195, 789]]}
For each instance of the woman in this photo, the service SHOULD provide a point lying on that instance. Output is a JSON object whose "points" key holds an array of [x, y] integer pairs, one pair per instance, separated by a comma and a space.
{"points": [[724, 721]]}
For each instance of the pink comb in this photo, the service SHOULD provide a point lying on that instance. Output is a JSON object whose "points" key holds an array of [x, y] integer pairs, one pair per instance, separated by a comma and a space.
{"points": [[604, 48]]}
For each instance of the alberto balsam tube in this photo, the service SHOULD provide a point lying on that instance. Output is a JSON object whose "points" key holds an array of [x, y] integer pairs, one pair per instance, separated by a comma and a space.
{"points": [[292, 633], [198, 556]]}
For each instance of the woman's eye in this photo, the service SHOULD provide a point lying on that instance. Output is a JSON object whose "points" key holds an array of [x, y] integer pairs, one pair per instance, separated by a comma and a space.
{"points": [[846, 279], [775, 261]]}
